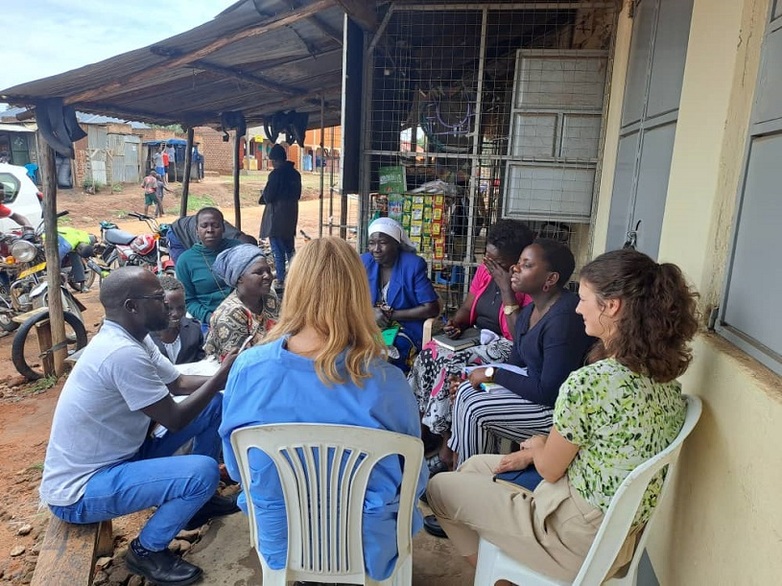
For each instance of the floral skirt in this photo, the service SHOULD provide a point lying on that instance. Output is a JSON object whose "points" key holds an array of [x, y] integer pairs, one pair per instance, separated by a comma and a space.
{"points": [[433, 367]]}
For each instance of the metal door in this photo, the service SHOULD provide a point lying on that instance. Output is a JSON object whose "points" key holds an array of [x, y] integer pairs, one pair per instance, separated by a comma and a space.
{"points": [[658, 52]]}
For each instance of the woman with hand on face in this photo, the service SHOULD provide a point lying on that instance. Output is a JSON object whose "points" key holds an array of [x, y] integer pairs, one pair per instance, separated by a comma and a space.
{"points": [[182, 341], [549, 343], [491, 304], [399, 286], [251, 310], [204, 290], [610, 416]]}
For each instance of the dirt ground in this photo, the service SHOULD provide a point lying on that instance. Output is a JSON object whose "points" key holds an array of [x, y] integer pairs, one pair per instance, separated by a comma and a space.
{"points": [[26, 408]]}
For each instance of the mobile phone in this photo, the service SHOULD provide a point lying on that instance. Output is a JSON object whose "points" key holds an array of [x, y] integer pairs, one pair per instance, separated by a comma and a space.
{"points": [[528, 478]]}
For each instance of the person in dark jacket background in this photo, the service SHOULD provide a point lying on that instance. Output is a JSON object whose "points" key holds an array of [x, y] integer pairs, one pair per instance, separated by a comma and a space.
{"points": [[281, 198]]}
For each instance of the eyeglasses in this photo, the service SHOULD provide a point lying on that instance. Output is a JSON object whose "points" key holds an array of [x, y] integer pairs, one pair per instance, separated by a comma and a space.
{"points": [[155, 296]]}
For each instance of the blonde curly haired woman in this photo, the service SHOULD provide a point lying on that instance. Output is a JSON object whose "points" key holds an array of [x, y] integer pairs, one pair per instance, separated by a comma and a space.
{"points": [[324, 362]]}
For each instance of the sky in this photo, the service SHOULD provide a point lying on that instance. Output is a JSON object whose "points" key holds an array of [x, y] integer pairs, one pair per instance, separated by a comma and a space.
{"points": [[47, 37]]}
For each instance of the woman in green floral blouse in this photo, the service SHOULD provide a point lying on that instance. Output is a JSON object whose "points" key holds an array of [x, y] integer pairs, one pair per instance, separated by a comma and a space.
{"points": [[610, 416]]}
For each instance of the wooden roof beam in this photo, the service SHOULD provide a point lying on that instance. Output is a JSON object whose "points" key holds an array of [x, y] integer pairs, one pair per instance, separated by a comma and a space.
{"points": [[317, 20], [362, 12], [234, 72], [151, 73]]}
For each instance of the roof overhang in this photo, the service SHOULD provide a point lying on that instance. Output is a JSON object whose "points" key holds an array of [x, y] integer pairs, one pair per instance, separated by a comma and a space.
{"points": [[257, 57]]}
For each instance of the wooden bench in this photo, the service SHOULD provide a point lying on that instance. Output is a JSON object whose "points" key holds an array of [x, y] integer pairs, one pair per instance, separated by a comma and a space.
{"points": [[69, 552]]}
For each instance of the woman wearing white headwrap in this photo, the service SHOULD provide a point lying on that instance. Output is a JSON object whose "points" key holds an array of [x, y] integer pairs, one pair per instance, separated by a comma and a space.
{"points": [[251, 309], [399, 283]]}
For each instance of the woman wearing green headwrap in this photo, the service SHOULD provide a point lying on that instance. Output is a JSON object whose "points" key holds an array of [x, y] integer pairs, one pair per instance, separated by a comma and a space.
{"points": [[251, 309]]}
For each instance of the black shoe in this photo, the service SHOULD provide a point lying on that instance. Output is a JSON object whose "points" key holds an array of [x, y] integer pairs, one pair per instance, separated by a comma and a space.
{"points": [[217, 506], [432, 526], [162, 567]]}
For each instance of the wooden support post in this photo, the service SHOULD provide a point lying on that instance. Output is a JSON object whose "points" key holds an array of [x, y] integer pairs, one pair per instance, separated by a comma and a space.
{"points": [[43, 331], [53, 278], [188, 166], [237, 203], [104, 544]]}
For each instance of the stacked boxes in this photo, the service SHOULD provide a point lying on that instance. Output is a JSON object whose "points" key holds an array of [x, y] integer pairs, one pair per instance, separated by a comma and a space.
{"points": [[421, 214]]}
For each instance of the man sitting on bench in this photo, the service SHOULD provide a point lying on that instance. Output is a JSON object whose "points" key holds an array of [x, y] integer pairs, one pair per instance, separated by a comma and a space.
{"points": [[102, 462]]}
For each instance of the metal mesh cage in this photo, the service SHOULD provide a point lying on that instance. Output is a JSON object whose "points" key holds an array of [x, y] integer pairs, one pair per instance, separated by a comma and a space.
{"points": [[486, 110]]}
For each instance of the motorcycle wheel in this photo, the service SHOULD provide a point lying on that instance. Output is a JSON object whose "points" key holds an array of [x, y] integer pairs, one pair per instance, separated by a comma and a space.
{"points": [[7, 324], [26, 351], [89, 279]]}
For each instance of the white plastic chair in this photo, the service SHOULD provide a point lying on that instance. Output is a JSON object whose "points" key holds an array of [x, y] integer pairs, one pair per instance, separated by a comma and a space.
{"points": [[494, 565], [324, 504]]}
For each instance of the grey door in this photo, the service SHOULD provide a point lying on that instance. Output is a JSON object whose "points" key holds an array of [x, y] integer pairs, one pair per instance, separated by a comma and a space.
{"points": [[658, 52]]}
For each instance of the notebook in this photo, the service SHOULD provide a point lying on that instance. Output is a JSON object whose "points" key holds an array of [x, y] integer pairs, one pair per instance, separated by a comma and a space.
{"points": [[470, 337]]}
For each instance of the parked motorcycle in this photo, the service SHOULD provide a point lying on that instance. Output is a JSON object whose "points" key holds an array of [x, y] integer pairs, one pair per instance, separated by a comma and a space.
{"points": [[30, 292], [118, 248], [19, 259]]}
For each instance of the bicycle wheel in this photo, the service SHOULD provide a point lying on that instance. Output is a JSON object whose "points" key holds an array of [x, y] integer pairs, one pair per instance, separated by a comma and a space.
{"points": [[26, 352]]}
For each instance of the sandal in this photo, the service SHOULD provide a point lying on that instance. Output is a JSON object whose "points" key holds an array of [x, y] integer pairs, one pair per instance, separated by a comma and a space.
{"points": [[436, 465]]}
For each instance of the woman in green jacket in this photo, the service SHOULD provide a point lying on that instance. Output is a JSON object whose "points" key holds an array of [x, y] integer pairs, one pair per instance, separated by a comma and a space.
{"points": [[204, 290]]}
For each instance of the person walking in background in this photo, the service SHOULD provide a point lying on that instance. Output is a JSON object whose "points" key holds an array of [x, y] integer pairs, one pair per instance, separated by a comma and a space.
{"points": [[149, 184], [171, 152], [157, 159], [159, 189], [281, 198], [165, 164]]}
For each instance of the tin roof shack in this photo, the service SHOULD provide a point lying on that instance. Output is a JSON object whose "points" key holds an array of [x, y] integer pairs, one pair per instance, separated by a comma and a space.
{"points": [[18, 145], [109, 154]]}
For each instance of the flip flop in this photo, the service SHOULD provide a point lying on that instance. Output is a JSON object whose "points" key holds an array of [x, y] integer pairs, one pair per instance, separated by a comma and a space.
{"points": [[436, 465]]}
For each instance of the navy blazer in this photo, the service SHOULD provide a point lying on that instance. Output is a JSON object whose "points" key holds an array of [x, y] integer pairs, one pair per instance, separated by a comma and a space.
{"points": [[409, 287], [192, 342], [555, 347]]}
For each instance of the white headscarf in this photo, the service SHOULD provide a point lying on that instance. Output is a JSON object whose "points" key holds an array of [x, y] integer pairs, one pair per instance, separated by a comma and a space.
{"points": [[391, 228]]}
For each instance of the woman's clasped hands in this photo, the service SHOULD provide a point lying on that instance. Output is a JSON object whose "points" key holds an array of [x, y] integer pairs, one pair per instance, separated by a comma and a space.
{"points": [[523, 458]]}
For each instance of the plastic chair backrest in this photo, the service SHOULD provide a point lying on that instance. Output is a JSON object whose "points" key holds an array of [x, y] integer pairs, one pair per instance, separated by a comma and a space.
{"points": [[494, 564], [619, 517], [324, 503]]}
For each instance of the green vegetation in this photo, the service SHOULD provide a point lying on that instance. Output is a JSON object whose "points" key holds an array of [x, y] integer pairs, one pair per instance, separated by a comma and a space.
{"points": [[196, 202], [91, 186], [116, 188], [42, 384]]}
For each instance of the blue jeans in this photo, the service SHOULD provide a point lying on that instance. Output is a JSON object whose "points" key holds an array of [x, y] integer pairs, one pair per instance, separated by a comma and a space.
{"points": [[177, 485], [283, 250]]}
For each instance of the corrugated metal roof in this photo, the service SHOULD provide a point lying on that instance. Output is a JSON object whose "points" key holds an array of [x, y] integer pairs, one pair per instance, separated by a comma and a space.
{"points": [[258, 57]]}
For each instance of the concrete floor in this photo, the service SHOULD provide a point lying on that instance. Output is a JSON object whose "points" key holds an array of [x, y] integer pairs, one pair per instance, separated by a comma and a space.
{"points": [[225, 554]]}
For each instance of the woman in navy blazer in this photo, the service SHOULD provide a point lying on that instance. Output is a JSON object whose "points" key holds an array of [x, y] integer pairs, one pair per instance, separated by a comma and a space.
{"points": [[400, 287]]}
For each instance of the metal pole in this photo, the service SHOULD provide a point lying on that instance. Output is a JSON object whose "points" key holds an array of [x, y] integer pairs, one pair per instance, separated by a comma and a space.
{"points": [[186, 178], [53, 277], [320, 197], [237, 204], [323, 165], [475, 191]]}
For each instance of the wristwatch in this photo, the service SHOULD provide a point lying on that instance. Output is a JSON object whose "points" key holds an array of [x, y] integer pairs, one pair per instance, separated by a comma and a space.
{"points": [[508, 309], [489, 372]]}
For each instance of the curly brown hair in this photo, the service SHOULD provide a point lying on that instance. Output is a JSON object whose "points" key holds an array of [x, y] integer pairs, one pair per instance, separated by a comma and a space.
{"points": [[658, 316]]}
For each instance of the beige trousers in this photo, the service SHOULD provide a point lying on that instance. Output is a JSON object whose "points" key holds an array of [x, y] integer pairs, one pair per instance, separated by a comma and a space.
{"points": [[549, 530]]}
